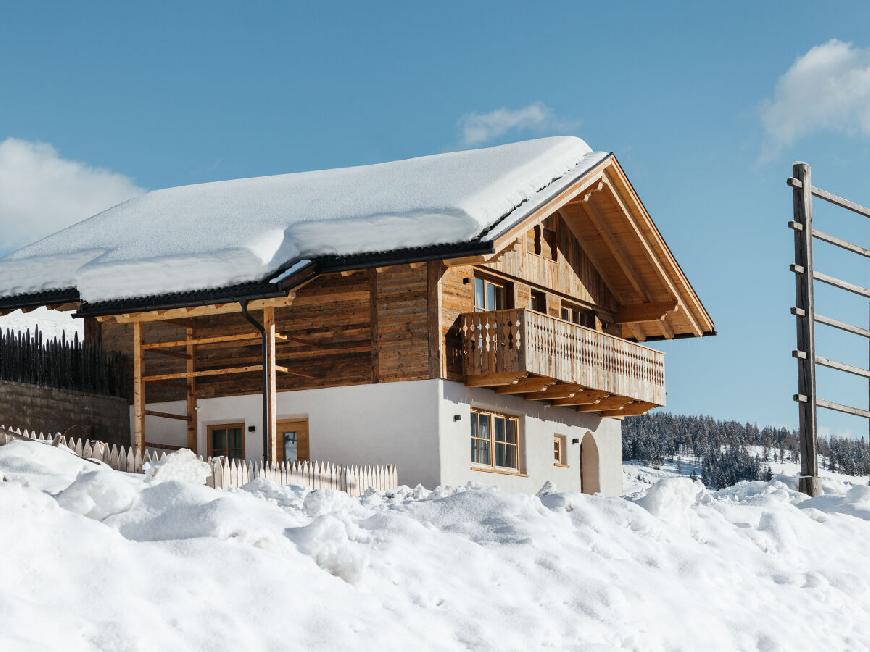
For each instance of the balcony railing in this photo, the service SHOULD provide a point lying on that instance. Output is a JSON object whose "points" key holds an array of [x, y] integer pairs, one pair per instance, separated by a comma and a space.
{"points": [[505, 342]]}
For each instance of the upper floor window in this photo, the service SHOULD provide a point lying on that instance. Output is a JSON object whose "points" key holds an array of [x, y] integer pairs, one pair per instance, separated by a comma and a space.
{"points": [[495, 440], [488, 295], [578, 315], [533, 240], [538, 301]]}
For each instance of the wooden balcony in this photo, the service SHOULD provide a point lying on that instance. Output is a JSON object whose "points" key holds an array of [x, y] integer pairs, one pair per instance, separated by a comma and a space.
{"points": [[543, 358]]}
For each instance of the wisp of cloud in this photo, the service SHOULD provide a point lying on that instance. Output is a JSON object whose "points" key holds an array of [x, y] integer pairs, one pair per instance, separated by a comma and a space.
{"points": [[40, 192], [828, 88], [480, 128]]}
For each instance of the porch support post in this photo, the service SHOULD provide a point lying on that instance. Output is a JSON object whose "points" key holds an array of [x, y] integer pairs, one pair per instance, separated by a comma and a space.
{"points": [[191, 391], [270, 363], [138, 390]]}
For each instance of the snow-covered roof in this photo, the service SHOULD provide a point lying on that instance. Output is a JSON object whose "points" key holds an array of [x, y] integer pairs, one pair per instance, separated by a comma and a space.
{"points": [[223, 233]]}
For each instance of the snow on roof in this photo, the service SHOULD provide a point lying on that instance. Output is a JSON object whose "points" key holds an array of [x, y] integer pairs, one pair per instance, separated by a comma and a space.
{"points": [[221, 233]]}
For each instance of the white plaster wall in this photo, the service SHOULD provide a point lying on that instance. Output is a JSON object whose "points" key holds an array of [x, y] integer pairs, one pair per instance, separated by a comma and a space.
{"points": [[159, 430], [382, 423], [538, 424], [411, 424]]}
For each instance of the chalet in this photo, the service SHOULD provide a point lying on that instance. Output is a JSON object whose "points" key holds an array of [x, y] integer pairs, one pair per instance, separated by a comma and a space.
{"points": [[470, 316]]}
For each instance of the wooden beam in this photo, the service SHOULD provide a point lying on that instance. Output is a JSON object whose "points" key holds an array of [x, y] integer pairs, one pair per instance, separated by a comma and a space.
{"points": [[525, 386], [609, 403], [653, 311], [586, 397], [202, 341], [846, 409], [138, 391], [843, 326], [625, 264], [631, 410], [840, 283], [842, 366], [560, 391], [590, 179], [270, 362], [190, 390], [495, 380], [209, 372], [167, 415], [199, 311]]}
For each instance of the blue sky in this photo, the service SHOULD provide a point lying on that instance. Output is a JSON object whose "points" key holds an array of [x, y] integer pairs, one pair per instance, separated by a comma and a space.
{"points": [[181, 93]]}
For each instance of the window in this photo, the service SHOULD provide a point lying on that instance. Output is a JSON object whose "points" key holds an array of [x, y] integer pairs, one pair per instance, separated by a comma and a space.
{"points": [[538, 301], [559, 456], [495, 440], [227, 440], [488, 295], [578, 315], [533, 240]]}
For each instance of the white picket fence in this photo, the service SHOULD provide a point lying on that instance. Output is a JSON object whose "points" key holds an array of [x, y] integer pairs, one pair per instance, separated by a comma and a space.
{"points": [[227, 474]]}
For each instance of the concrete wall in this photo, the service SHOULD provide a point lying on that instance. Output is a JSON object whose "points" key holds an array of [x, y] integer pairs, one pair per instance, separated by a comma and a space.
{"points": [[538, 423], [48, 409], [411, 424]]}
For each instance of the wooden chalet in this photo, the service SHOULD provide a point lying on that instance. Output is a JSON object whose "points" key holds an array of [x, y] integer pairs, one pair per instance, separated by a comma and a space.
{"points": [[544, 318]]}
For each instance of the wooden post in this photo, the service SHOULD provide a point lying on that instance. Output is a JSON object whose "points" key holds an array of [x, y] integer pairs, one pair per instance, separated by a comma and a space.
{"points": [[373, 317], [191, 391], [271, 361], [138, 390], [804, 320]]}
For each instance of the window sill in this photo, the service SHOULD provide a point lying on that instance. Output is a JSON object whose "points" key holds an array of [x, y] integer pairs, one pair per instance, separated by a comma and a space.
{"points": [[561, 466], [500, 471]]}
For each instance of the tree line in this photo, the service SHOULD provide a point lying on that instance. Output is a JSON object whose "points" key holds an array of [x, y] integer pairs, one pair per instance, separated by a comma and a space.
{"points": [[721, 447]]}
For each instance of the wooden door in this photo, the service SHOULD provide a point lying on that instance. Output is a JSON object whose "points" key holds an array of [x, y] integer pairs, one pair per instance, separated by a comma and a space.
{"points": [[293, 440]]}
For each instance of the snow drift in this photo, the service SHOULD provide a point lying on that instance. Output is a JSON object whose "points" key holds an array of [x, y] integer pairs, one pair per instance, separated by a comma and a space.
{"points": [[95, 559]]}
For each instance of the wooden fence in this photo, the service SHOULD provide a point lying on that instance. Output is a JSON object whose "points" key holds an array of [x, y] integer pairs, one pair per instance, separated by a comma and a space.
{"points": [[806, 316], [27, 357], [227, 474]]}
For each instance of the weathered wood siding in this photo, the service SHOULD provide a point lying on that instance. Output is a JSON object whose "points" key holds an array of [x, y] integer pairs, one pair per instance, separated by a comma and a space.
{"points": [[402, 339], [342, 329], [571, 276]]}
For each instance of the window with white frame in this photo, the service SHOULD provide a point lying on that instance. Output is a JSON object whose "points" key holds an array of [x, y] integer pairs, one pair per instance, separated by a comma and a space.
{"points": [[495, 440]]}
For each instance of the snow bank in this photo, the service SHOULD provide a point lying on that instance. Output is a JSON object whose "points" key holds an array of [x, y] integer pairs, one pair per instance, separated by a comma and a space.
{"points": [[52, 323], [216, 234], [110, 561]]}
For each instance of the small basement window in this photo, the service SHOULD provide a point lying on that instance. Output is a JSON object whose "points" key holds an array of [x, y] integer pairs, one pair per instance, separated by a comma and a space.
{"points": [[560, 457], [488, 295], [495, 440]]}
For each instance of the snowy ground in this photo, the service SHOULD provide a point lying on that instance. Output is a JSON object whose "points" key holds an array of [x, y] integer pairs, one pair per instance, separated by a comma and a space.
{"points": [[637, 477], [94, 559]]}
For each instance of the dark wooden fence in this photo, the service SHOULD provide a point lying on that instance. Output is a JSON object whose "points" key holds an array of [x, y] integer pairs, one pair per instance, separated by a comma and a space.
{"points": [[28, 357]]}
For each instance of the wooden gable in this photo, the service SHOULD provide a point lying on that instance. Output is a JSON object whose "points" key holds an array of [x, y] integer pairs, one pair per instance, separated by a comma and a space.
{"points": [[613, 256]]}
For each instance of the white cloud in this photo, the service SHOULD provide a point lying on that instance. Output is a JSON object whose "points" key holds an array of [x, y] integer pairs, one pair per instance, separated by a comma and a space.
{"points": [[828, 88], [480, 128], [40, 192]]}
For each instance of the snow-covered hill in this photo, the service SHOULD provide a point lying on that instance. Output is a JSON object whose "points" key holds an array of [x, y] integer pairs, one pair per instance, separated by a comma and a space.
{"points": [[52, 323], [93, 559]]}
